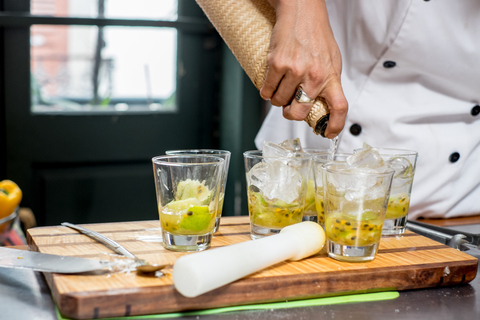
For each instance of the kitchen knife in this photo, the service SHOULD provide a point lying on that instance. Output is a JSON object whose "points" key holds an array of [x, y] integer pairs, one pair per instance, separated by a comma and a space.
{"points": [[22, 259], [471, 238], [463, 241]]}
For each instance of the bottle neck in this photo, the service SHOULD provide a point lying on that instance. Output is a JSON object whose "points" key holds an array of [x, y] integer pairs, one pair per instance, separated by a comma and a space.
{"points": [[322, 125]]}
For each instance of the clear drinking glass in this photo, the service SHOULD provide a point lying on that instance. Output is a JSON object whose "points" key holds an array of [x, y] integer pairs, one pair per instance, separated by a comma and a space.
{"points": [[355, 206], [224, 154], [403, 162], [310, 212], [319, 160], [276, 190], [188, 189]]}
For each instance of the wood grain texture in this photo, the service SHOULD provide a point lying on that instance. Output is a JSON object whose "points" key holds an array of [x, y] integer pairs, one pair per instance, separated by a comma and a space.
{"points": [[403, 262]]}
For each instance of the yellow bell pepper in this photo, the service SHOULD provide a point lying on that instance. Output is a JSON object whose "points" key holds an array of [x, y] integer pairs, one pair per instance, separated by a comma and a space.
{"points": [[10, 197]]}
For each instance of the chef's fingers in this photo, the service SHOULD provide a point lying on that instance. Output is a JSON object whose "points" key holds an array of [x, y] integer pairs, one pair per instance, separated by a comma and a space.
{"points": [[299, 110], [338, 105], [286, 89], [273, 77], [286, 68], [281, 80]]}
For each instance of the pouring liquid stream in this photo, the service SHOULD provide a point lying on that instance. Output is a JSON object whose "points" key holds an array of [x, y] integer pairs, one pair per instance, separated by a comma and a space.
{"points": [[333, 148]]}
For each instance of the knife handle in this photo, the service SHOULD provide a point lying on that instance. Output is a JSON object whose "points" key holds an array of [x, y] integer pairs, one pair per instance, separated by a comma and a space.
{"points": [[472, 238]]}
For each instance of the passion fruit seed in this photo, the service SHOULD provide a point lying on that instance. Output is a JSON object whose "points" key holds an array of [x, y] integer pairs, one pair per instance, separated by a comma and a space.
{"points": [[348, 232], [320, 211], [254, 188]]}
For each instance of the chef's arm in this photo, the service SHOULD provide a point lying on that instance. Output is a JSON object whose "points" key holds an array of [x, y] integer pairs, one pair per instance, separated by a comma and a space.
{"points": [[303, 52]]}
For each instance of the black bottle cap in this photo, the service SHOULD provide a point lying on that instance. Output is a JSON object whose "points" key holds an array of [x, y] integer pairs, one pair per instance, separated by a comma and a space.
{"points": [[322, 125]]}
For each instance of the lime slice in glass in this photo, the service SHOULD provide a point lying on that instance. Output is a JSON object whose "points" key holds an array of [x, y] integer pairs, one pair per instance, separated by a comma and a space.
{"points": [[197, 218]]}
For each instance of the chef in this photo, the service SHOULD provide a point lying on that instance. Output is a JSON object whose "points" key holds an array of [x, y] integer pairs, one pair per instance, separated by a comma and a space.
{"points": [[410, 71]]}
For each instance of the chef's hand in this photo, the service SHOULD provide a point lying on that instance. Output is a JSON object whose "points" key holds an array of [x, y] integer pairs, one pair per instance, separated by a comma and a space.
{"points": [[303, 51]]}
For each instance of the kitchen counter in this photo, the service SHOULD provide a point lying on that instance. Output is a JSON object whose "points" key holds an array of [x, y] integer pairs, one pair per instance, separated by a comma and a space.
{"points": [[24, 294]]}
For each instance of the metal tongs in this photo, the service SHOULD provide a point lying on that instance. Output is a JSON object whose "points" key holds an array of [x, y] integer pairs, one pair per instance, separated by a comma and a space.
{"points": [[463, 241]]}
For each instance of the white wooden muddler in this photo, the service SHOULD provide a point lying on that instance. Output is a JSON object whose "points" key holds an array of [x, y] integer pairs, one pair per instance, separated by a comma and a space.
{"points": [[201, 272]]}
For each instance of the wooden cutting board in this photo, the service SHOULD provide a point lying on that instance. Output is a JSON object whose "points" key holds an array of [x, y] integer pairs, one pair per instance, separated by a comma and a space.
{"points": [[403, 262]]}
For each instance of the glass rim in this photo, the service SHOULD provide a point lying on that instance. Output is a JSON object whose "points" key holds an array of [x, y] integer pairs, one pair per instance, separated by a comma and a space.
{"points": [[344, 171], [314, 151], [185, 151], [316, 157], [259, 154], [210, 159], [393, 151]]}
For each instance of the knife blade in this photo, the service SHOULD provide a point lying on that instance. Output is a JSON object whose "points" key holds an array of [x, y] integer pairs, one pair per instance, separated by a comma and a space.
{"points": [[44, 262]]}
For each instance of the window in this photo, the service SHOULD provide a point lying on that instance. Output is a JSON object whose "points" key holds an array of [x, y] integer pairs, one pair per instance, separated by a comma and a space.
{"points": [[103, 69]]}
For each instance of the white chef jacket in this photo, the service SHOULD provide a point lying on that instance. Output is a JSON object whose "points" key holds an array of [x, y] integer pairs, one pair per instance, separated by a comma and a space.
{"points": [[411, 75]]}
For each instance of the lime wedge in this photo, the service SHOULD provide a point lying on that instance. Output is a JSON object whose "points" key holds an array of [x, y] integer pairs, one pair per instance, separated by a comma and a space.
{"points": [[256, 199], [199, 209], [282, 204], [369, 215], [196, 219], [310, 191], [182, 206]]}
